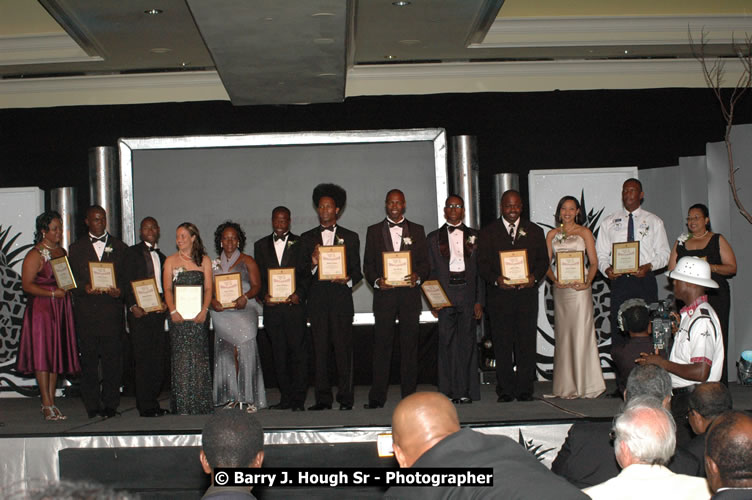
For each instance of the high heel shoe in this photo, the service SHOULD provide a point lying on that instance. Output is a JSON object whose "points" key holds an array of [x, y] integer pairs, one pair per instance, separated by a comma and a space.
{"points": [[249, 408], [58, 413], [51, 415]]}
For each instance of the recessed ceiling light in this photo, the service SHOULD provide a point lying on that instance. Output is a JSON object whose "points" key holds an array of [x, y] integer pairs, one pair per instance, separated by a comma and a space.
{"points": [[153, 12], [268, 19], [390, 57], [401, 3], [409, 42], [319, 14], [626, 52], [324, 75], [161, 50], [323, 41]]}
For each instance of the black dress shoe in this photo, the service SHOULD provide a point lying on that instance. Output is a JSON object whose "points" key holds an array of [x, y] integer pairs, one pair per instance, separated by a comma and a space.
{"points": [[162, 412], [109, 413], [281, 406], [525, 396], [93, 413], [372, 405], [298, 407], [320, 406], [345, 407], [505, 398], [150, 413], [465, 401]]}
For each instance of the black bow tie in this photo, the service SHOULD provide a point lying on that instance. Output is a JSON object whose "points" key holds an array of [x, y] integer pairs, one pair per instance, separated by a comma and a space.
{"points": [[398, 224], [454, 228], [152, 249], [277, 238], [327, 228], [102, 238]]}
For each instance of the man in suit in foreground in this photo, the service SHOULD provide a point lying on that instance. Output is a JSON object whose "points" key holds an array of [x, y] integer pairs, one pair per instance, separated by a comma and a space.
{"points": [[452, 252], [426, 433], [147, 332], [330, 304], [394, 234], [99, 314], [728, 462], [513, 309], [285, 322], [706, 403]]}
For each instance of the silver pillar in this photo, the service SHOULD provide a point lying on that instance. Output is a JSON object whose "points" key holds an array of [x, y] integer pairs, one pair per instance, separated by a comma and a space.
{"points": [[63, 201], [464, 175], [104, 185], [502, 183]]}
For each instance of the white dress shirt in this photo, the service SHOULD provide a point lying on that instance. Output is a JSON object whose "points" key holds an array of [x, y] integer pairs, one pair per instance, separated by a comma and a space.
{"points": [[99, 246], [456, 250], [648, 230], [157, 266], [279, 247], [649, 482], [396, 233], [515, 224]]}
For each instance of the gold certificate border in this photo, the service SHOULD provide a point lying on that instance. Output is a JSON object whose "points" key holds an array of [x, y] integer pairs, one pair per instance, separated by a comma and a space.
{"points": [[333, 249], [574, 253], [281, 270], [444, 303], [64, 258], [514, 253], [626, 244], [228, 277], [108, 265], [402, 254], [148, 281]]}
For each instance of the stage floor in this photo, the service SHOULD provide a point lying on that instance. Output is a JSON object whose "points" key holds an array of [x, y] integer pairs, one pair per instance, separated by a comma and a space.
{"points": [[21, 417]]}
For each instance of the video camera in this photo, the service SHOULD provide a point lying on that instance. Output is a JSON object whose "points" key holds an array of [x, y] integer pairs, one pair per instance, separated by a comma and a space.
{"points": [[662, 323]]}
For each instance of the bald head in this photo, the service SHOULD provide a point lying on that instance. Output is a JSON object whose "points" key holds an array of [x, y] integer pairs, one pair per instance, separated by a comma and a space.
{"points": [[419, 422], [728, 462]]}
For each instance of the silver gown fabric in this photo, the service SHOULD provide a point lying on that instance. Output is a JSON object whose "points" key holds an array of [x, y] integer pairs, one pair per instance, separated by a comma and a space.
{"points": [[237, 329], [577, 367]]}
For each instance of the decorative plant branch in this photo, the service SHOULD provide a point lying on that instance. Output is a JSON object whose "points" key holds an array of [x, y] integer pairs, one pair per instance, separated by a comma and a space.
{"points": [[714, 74]]}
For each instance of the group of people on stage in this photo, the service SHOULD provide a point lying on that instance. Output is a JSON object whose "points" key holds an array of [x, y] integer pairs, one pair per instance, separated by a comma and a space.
{"points": [[84, 334]]}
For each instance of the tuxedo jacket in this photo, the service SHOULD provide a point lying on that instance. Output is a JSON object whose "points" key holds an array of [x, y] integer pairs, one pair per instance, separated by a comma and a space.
{"points": [[99, 314], [494, 238], [266, 258], [439, 252], [141, 267], [320, 293], [378, 240]]}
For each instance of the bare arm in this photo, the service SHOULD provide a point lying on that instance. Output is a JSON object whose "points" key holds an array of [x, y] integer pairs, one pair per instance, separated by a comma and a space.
{"points": [[32, 264], [728, 259], [592, 256], [673, 257], [208, 289]]}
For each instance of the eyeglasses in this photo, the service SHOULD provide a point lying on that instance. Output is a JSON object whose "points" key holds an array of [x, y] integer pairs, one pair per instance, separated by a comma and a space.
{"points": [[695, 218], [454, 205]]}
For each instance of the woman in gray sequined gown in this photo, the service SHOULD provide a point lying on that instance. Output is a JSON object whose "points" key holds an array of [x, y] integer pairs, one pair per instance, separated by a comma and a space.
{"points": [[238, 379], [189, 337]]}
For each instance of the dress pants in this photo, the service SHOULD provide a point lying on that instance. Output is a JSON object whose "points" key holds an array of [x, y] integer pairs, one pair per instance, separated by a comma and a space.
{"points": [[387, 307], [514, 318], [104, 349], [149, 341], [457, 353], [285, 327], [331, 328]]}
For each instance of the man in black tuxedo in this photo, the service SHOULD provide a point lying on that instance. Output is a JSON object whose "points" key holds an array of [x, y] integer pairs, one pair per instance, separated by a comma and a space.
{"points": [[147, 333], [99, 314], [513, 309], [395, 233], [452, 252], [330, 304], [285, 322]]}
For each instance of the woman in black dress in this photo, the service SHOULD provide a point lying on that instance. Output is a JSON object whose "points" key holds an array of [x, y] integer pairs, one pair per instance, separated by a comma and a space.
{"points": [[701, 242]]}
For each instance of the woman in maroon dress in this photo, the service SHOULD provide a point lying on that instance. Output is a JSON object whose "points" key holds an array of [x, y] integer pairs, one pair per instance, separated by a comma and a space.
{"points": [[48, 338]]}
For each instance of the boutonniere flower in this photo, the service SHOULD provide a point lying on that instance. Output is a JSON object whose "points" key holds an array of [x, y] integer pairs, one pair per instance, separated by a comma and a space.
{"points": [[471, 239], [176, 271], [45, 254], [340, 241], [644, 232], [290, 243], [683, 238], [561, 235], [521, 233], [108, 250], [407, 241], [215, 264]]}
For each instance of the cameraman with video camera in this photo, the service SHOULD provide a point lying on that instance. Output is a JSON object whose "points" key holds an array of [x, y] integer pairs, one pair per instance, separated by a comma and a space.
{"points": [[697, 353]]}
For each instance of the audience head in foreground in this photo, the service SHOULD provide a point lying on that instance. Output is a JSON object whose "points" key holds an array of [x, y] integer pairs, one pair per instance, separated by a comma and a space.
{"points": [[706, 403], [728, 453], [649, 381]]}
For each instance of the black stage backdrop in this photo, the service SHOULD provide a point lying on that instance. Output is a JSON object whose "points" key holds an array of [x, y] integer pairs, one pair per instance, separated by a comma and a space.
{"points": [[517, 132]]}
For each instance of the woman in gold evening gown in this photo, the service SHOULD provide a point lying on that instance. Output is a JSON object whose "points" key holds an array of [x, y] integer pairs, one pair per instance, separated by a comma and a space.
{"points": [[577, 369]]}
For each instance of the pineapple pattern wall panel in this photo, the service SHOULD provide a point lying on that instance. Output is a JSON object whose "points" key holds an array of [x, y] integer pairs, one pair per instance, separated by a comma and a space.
{"points": [[599, 192], [19, 208]]}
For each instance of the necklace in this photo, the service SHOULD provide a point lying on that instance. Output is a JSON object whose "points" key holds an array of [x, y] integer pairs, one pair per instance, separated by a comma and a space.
{"points": [[702, 235], [49, 248], [184, 257]]}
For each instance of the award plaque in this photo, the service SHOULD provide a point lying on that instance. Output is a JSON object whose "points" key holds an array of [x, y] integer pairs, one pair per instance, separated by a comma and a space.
{"points": [[228, 288], [188, 300], [514, 266], [397, 267], [281, 283], [570, 267], [435, 294], [63, 275], [102, 275], [332, 263], [147, 295], [625, 257]]}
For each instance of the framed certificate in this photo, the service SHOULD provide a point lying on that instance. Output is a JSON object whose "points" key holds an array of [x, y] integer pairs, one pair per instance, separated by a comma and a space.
{"points": [[625, 257], [147, 295], [102, 275], [63, 275], [397, 266], [332, 262], [227, 288], [514, 266], [570, 267], [435, 294], [281, 283], [188, 300]]}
